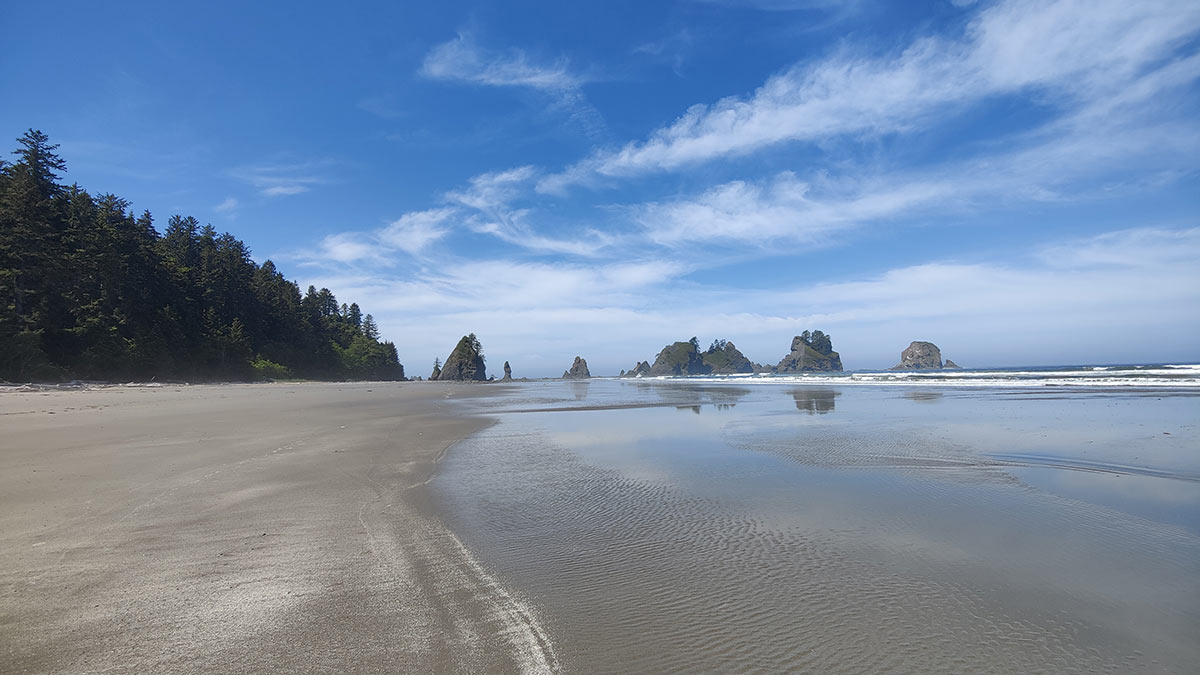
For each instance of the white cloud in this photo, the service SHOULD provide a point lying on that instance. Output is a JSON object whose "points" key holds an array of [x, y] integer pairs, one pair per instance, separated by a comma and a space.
{"points": [[491, 195], [276, 180], [1069, 52], [492, 192], [228, 206], [414, 232], [462, 60], [347, 247], [1049, 307], [761, 214]]}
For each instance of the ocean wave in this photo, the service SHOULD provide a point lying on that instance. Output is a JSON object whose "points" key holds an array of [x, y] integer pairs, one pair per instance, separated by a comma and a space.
{"points": [[1176, 376]]}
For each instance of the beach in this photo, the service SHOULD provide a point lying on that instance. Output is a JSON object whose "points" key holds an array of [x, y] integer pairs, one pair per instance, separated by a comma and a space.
{"points": [[242, 528], [776, 525], [755, 525]]}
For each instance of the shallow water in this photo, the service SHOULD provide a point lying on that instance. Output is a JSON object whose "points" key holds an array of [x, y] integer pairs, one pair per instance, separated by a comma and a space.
{"points": [[733, 527]]}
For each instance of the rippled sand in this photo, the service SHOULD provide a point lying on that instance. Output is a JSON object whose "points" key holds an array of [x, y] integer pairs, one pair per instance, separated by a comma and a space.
{"points": [[734, 529]]}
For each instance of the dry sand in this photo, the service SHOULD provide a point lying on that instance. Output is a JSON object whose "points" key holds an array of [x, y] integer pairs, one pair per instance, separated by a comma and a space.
{"points": [[243, 528]]}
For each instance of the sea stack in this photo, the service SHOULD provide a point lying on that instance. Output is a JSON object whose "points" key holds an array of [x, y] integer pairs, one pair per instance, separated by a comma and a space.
{"points": [[811, 352], [724, 358], [680, 358], [922, 356], [465, 362], [642, 369], [578, 371], [507, 373]]}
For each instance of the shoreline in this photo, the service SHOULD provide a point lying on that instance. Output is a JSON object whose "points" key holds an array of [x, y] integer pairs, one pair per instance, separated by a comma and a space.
{"points": [[223, 527]]}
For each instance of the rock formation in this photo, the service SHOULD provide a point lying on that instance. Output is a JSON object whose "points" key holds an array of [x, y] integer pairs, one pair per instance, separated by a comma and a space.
{"points": [[465, 362], [507, 373], [437, 370], [951, 365], [680, 358], [810, 353], [722, 358], [578, 371], [642, 369], [922, 356]]}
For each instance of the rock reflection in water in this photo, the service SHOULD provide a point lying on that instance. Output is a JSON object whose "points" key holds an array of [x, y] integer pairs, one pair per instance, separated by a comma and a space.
{"points": [[923, 396], [818, 401], [580, 390], [694, 398]]}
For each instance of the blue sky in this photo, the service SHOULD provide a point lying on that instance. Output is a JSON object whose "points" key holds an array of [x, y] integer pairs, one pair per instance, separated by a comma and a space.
{"points": [[1015, 181]]}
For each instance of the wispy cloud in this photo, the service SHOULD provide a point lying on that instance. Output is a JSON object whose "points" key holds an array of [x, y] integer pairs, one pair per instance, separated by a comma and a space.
{"points": [[414, 232], [462, 60], [540, 315], [411, 233], [228, 206], [491, 196], [672, 49], [1070, 53], [276, 180]]}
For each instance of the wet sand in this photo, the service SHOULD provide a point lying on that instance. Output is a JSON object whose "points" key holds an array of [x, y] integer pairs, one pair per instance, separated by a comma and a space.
{"points": [[243, 528], [691, 527]]}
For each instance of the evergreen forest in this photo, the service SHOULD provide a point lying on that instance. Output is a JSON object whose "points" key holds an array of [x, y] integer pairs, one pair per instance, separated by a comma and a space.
{"points": [[91, 291]]}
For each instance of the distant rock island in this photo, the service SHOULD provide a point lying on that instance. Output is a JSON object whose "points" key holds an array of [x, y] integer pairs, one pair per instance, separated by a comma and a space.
{"points": [[642, 369], [464, 363], [507, 373], [811, 352], [685, 358], [923, 356], [723, 358], [578, 371]]}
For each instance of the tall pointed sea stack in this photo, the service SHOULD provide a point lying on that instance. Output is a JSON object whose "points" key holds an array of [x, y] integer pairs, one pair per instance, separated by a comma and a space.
{"points": [[578, 371], [465, 362]]}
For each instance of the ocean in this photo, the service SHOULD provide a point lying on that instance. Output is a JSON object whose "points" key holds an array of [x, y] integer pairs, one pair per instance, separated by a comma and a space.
{"points": [[1009, 520]]}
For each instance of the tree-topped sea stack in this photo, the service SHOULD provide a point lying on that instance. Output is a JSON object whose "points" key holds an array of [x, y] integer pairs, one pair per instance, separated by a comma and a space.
{"points": [[724, 358], [811, 352], [680, 358], [578, 371], [465, 362], [923, 356]]}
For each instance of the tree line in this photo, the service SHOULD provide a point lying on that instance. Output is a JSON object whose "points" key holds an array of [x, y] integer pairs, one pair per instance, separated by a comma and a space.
{"points": [[88, 290]]}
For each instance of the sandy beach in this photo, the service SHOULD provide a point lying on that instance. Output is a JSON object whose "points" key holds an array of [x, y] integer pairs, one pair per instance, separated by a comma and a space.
{"points": [[242, 528]]}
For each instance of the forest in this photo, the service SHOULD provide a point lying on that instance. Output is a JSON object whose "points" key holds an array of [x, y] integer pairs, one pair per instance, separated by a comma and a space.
{"points": [[91, 291]]}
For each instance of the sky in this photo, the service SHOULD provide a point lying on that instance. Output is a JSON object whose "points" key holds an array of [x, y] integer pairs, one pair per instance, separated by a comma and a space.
{"points": [[1016, 181]]}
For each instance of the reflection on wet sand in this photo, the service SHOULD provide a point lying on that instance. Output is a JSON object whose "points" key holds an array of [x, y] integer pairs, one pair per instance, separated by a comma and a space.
{"points": [[580, 389], [818, 401], [876, 540], [923, 396]]}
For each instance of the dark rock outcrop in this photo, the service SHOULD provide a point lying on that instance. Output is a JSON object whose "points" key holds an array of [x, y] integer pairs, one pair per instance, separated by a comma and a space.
{"points": [[722, 358], [951, 365], [922, 356], [680, 358], [578, 371], [465, 362], [642, 369], [810, 353], [507, 373], [437, 370]]}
